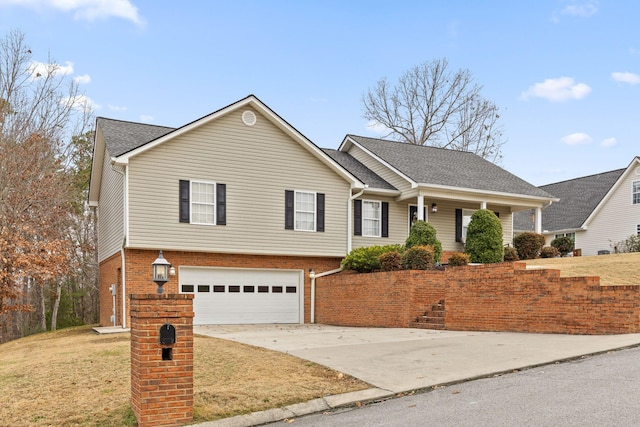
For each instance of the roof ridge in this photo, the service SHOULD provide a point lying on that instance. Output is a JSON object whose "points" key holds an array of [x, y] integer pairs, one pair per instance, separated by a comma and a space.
{"points": [[414, 145], [133, 123], [621, 170]]}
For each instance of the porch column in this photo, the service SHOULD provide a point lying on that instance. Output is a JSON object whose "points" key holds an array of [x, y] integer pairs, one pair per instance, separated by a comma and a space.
{"points": [[421, 208], [538, 226], [483, 205]]}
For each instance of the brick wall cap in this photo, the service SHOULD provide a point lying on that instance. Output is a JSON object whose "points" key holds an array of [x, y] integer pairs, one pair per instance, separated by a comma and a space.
{"points": [[161, 296]]}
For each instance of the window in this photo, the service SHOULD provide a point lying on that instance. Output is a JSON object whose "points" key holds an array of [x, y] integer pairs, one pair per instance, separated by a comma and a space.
{"points": [[305, 211], [572, 236], [636, 193], [466, 220], [371, 218], [202, 202]]}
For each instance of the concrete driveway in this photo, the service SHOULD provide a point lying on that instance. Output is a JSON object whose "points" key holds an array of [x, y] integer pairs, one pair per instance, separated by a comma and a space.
{"points": [[399, 360]]}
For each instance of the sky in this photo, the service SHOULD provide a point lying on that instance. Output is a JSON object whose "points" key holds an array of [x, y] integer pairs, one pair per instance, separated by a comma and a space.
{"points": [[564, 73]]}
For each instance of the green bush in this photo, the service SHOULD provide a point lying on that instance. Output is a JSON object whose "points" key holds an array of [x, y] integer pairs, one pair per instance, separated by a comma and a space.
{"points": [[528, 244], [458, 259], [549, 252], [510, 254], [418, 257], [564, 245], [422, 233], [484, 238], [391, 261], [366, 259]]}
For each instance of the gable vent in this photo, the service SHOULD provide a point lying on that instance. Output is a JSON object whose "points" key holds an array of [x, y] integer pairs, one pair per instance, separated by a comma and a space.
{"points": [[249, 118]]}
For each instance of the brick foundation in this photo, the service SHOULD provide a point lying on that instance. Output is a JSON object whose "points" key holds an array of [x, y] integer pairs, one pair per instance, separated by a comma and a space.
{"points": [[161, 382], [138, 272], [495, 297]]}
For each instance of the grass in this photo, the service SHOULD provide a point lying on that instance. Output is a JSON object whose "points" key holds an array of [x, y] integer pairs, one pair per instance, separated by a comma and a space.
{"points": [[75, 377], [614, 269]]}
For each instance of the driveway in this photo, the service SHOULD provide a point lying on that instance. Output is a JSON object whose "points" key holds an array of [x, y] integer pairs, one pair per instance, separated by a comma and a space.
{"points": [[402, 359]]}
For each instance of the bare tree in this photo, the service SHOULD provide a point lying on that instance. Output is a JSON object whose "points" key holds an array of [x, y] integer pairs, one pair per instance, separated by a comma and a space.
{"points": [[430, 105], [38, 104]]}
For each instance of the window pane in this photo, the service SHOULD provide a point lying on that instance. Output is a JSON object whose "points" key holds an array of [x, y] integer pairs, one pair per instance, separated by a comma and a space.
{"points": [[305, 211], [371, 214], [202, 203]]}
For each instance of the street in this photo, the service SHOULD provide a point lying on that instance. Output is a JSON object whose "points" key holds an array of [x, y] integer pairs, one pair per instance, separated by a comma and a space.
{"points": [[592, 391]]}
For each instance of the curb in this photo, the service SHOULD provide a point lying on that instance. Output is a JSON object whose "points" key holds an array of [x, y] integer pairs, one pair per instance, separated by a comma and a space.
{"points": [[299, 409]]}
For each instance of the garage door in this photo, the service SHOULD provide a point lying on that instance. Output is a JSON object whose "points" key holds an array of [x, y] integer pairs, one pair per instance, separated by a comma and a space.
{"points": [[236, 296]]}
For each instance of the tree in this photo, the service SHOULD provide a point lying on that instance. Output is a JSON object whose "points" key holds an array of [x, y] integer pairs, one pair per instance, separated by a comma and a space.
{"points": [[38, 107], [484, 238], [563, 244], [430, 105]]}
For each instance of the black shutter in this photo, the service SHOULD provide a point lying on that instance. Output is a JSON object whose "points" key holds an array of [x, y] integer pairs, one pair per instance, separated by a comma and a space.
{"points": [[320, 212], [357, 217], [458, 225], [184, 201], [221, 204], [288, 209], [385, 219]]}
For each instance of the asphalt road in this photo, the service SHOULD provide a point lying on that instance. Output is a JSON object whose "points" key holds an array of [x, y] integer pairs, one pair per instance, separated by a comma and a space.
{"points": [[602, 390]]}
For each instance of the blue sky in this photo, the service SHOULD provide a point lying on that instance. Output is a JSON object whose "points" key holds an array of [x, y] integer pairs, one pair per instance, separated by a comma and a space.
{"points": [[566, 74]]}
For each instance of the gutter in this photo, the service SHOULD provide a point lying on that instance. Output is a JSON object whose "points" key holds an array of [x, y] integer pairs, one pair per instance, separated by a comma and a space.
{"points": [[350, 219], [313, 276]]}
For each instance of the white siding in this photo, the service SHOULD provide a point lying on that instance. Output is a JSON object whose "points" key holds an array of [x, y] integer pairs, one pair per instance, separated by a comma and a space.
{"points": [[257, 164], [110, 211], [614, 222]]}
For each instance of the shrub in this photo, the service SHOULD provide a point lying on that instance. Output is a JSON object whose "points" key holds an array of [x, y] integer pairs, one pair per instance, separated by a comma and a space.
{"points": [[528, 244], [510, 254], [365, 260], [549, 252], [631, 244], [418, 257], [458, 259], [422, 233], [564, 245], [391, 261], [484, 238]]}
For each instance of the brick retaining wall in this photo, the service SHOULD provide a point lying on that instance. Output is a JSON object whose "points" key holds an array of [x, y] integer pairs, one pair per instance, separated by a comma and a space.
{"points": [[495, 297]]}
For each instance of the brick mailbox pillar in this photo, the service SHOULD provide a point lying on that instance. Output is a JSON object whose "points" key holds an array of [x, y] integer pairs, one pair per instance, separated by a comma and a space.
{"points": [[162, 359]]}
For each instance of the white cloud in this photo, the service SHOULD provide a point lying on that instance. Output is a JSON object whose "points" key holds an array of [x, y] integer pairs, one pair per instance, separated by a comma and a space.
{"points": [[83, 79], [557, 90], [609, 142], [83, 103], [582, 9], [116, 108], [377, 128], [626, 77], [89, 10], [145, 118], [40, 69], [577, 138]]}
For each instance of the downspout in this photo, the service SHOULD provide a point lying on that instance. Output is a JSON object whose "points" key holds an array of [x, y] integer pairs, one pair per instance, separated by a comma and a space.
{"points": [[313, 276], [124, 243], [350, 219]]}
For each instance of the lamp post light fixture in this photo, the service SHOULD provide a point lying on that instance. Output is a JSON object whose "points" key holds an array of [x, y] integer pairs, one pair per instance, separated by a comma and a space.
{"points": [[161, 270]]}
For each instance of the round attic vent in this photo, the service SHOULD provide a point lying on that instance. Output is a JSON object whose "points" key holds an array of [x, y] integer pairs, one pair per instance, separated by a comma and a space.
{"points": [[249, 118]]}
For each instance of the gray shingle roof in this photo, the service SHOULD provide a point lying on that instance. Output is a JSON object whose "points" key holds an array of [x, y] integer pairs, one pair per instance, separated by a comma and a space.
{"points": [[357, 169], [121, 137], [578, 198], [439, 166]]}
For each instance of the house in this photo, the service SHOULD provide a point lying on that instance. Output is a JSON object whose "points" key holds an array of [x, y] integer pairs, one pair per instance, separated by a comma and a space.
{"points": [[243, 206], [596, 211]]}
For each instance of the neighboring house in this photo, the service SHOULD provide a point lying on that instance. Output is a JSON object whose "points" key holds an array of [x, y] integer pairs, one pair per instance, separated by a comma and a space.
{"points": [[243, 206], [597, 211]]}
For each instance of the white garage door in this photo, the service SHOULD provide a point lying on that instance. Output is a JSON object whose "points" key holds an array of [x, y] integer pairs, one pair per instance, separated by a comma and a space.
{"points": [[236, 296]]}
